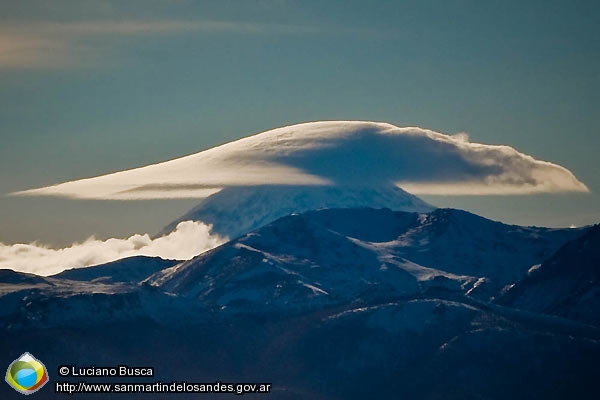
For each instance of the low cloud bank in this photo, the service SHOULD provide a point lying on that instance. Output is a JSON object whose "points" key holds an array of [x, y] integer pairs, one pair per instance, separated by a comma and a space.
{"points": [[189, 239]]}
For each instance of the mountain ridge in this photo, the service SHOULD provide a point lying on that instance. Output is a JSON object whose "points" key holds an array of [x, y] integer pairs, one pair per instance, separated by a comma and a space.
{"points": [[423, 251], [334, 303]]}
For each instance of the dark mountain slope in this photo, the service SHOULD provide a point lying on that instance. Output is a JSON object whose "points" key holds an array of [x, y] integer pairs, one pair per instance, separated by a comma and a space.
{"points": [[567, 284]]}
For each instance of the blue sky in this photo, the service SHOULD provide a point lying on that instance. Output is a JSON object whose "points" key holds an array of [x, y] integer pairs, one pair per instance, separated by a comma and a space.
{"points": [[90, 87]]}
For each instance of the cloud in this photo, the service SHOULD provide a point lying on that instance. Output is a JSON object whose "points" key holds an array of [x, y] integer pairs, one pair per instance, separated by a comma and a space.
{"points": [[46, 44], [189, 239], [146, 27], [26, 51], [418, 160]]}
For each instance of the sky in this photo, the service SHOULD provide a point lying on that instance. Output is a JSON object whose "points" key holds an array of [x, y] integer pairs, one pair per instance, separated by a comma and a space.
{"points": [[94, 87]]}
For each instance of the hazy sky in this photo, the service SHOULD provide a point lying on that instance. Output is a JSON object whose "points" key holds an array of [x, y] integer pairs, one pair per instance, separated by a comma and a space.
{"points": [[91, 87]]}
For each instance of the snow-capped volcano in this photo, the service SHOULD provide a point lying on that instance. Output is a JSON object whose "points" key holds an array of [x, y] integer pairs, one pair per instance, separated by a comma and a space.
{"points": [[236, 211]]}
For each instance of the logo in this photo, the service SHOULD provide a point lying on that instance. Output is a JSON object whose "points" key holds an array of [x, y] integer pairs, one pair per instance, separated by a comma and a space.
{"points": [[26, 374]]}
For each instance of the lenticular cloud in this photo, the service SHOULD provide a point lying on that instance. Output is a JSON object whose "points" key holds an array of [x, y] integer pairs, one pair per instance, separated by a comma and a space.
{"points": [[189, 239], [420, 161]]}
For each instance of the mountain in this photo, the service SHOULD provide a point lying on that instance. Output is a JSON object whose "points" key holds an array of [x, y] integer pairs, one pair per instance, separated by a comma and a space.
{"points": [[79, 297], [337, 256], [463, 243], [303, 262], [8, 276], [567, 284], [130, 269], [235, 211], [328, 304]]}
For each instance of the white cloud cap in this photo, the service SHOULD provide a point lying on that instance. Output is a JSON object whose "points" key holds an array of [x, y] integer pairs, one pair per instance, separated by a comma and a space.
{"points": [[420, 161]]}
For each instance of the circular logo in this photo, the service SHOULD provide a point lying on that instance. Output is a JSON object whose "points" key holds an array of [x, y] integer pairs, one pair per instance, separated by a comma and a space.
{"points": [[26, 374]]}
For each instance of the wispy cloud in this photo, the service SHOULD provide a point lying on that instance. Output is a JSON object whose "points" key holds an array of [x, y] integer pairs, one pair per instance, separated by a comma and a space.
{"points": [[48, 44], [134, 27], [186, 241], [335, 153], [19, 51]]}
